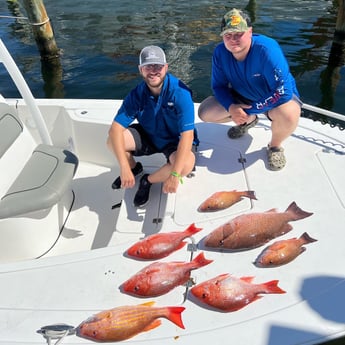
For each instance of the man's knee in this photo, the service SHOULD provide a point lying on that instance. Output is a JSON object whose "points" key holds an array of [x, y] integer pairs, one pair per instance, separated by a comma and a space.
{"points": [[210, 110], [287, 112], [189, 165], [204, 108]]}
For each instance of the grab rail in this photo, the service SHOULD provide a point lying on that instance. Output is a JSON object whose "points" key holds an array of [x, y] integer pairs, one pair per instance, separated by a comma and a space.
{"points": [[17, 77], [324, 112]]}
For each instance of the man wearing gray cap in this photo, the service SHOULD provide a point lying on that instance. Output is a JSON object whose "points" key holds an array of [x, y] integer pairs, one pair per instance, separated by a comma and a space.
{"points": [[164, 112], [250, 75]]}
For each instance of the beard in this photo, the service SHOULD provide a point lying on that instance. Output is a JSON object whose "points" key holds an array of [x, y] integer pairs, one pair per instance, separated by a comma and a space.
{"points": [[154, 80]]}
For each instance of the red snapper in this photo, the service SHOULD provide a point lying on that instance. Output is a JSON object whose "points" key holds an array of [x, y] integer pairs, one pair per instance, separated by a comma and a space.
{"points": [[283, 252], [125, 322], [159, 278], [222, 200], [228, 293], [252, 230], [158, 246]]}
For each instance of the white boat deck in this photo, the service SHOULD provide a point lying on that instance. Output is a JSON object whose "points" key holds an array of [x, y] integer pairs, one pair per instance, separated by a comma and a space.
{"points": [[70, 288]]}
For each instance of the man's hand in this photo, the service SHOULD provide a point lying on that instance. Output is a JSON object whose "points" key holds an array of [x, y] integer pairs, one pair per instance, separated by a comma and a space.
{"points": [[238, 115], [171, 184], [127, 178]]}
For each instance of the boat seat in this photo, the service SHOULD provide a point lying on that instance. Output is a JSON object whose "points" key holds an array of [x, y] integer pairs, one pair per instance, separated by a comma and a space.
{"points": [[45, 177], [35, 192], [10, 128], [42, 183]]}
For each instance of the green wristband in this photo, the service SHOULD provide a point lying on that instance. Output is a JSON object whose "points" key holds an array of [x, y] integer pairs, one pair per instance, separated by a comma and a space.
{"points": [[174, 173]]}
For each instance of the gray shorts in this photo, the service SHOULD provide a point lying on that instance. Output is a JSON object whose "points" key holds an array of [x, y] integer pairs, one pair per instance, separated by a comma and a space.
{"points": [[294, 98]]}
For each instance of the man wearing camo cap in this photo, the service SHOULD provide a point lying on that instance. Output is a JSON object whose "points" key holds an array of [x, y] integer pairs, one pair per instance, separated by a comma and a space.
{"points": [[250, 75]]}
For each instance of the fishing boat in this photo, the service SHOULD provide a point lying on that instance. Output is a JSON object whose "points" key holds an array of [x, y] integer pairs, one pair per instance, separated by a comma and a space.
{"points": [[64, 230]]}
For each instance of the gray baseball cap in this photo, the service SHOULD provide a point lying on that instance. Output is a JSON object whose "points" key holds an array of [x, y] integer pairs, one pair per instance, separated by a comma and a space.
{"points": [[152, 55]]}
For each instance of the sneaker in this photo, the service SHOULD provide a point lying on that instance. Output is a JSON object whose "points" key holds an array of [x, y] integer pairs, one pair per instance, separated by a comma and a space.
{"points": [[142, 195], [238, 131], [138, 169], [276, 158]]}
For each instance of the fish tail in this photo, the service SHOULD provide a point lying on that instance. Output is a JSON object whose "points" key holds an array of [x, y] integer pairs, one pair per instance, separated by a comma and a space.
{"points": [[191, 230], [296, 212], [174, 315], [200, 260], [272, 287], [307, 239], [250, 194]]}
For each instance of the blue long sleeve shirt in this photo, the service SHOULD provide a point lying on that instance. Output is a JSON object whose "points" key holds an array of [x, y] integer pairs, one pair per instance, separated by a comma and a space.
{"points": [[263, 78], [164, 118]]}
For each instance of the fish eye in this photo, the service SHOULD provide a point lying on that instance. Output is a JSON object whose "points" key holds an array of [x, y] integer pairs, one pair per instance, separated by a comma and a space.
{"points": [[138, 251], [204, 295], [221, 242], [136, 288]]}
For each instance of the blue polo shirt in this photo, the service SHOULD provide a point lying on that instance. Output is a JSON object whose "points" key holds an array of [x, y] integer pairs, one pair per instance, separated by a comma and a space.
{"points": [[163, 118], [262, 79]]}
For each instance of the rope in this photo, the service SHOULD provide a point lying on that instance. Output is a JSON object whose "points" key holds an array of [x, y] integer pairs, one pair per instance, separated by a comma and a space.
{"points": [[26, 18], [42, 23], [12, 17]]}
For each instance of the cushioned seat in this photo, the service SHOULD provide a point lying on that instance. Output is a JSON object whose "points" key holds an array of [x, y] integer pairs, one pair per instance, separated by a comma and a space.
{"points": [[10, 128], [45, 177], [41, 184]]}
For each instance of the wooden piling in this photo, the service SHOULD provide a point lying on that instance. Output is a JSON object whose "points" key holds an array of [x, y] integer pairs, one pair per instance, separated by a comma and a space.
{"points": [[340, 24], [330, 77], [337, 54], [42, 29]]}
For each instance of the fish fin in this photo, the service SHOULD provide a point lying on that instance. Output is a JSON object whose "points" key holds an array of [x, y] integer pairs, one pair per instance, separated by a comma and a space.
{"points": [[247, 279], [191, 230], [148, 304], [152, 269], [241, 305], [154, 324], [106, 314], [250, 194], [200, 260], [223, 276], [181, 245], [297, 212], [174, 315], [302, 250], [255, 298], [272, 287], [279, 245], [307, 239], [272, 210], [285, 228]]}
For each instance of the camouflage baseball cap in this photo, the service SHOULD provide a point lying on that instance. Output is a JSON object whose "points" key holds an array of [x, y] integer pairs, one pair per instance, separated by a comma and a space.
{"points": [[235, 21], [152, 55]]}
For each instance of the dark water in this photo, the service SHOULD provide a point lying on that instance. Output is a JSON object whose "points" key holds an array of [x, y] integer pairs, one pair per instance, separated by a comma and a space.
{"points": [[101, 41]]}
